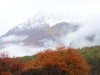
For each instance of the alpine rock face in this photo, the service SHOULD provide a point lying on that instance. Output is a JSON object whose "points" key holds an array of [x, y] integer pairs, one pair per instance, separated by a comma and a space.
{"points": [[41, 27]]}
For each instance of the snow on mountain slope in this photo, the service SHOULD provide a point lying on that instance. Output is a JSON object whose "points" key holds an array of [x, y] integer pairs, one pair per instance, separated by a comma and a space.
{"points": [[43, 19], [37, 23]]}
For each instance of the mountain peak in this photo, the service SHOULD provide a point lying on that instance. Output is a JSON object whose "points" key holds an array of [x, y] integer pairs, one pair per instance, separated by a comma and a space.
{"points": [[42, 19], [37, 21]]}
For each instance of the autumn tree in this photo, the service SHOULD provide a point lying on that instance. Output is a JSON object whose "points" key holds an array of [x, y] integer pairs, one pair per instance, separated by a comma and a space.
{"points": [[62, 61], [10, 66]]}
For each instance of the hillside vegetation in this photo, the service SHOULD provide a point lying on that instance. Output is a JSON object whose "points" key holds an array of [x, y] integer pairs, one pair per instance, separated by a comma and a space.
{"points": [[92, 56], [61, 61]]}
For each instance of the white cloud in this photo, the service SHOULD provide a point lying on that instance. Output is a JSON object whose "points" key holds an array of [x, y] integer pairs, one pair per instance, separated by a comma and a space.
{"points": [[48, 43], [20, 50], [81, 36], [13, 38]]}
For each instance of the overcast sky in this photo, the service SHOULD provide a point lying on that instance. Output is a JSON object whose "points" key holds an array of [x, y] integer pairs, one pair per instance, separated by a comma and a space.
{"points": [[13, 12]]}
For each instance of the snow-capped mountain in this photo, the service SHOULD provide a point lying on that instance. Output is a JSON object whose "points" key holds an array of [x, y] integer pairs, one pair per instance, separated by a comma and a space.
{"points": [[38, 21], [41, 26], [41, 20]]}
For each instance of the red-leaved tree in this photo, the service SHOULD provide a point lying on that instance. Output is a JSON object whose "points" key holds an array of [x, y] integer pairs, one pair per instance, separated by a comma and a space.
{"points": [[62, 61]]}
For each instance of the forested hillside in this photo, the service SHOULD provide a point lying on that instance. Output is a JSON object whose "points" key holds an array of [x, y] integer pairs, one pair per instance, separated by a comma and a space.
{"points": [[61, 61], [92, 56]]}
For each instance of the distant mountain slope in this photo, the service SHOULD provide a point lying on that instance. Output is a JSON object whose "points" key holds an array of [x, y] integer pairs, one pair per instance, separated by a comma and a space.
{"points": [[38, 21], [53, 33], [35, 31]]}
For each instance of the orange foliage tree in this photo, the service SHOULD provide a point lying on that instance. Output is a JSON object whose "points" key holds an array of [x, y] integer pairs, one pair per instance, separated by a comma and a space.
{"points": [[62, 61], [10, 66]]}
